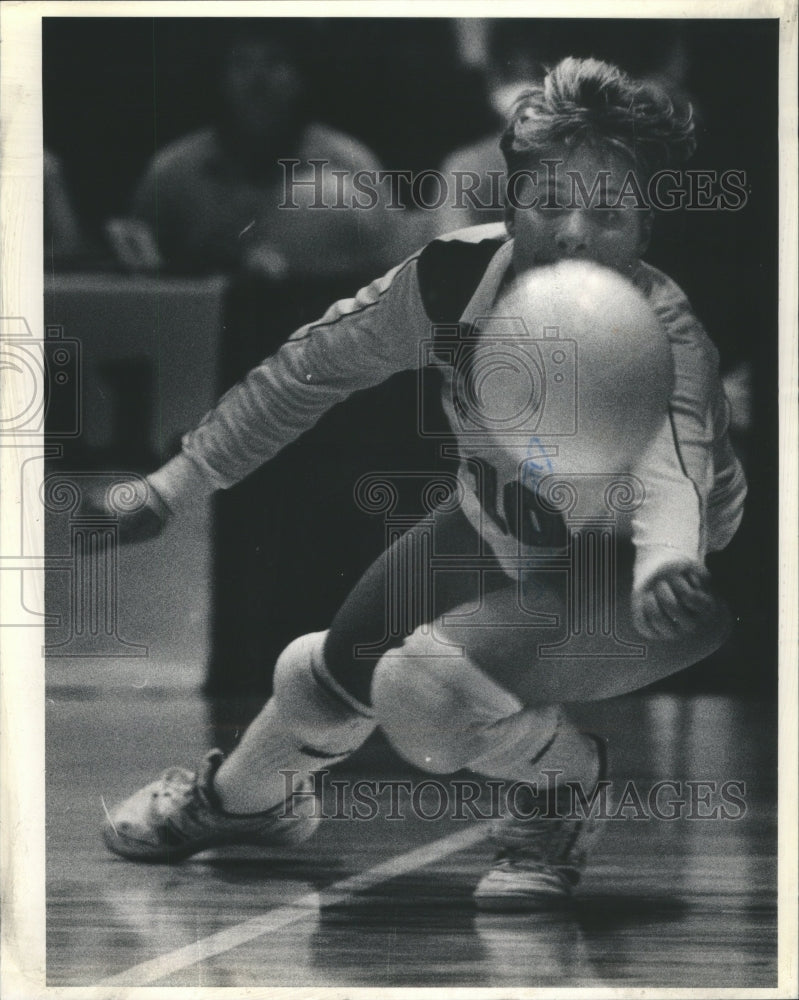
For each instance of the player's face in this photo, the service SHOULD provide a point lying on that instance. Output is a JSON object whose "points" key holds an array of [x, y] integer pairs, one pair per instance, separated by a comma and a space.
{"points": [[564, 222]]}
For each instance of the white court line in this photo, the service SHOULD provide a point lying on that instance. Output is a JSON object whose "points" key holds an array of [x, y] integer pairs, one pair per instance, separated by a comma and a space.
{"points": [[302, 908]]}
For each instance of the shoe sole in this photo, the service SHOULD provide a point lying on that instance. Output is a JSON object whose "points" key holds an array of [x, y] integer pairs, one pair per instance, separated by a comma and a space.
{"points": [[137, 851]]}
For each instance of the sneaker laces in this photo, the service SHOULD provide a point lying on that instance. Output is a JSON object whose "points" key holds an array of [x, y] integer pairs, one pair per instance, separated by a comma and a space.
{"points": [[186, 795]]}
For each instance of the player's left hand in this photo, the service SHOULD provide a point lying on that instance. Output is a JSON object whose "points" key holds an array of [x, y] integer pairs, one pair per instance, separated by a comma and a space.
{"points": [[139, 512], [673, 602]]}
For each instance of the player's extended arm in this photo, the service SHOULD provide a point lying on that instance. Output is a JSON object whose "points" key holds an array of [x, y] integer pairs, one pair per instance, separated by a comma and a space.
{"points": [[694, 485], [679, 522], [358, 343], [671, 587]]}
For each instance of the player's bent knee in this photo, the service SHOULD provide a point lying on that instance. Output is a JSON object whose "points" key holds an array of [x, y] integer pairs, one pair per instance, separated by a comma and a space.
{"points": [[414, 714], [670, 657], [709, 636], [305, 700], [439, 711], [612, 678]]}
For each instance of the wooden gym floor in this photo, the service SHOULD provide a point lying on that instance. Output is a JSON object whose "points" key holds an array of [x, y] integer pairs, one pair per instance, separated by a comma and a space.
{"points": [[387, 903]]}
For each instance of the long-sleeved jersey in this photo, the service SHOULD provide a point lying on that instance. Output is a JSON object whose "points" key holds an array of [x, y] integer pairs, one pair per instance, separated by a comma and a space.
{"points": [[694, 484]]}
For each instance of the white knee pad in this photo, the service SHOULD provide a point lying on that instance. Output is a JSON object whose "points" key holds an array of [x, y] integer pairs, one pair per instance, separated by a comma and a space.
{"points": [[324, 719], [442, 713]]}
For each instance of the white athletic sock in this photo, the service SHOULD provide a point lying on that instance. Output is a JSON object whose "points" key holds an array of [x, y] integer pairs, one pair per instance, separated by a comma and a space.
{"points": [[538, 745], [309, 723]]}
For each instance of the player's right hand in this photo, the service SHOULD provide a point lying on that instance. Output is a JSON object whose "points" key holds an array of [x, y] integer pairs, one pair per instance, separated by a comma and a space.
{"points": [[138, 509]]}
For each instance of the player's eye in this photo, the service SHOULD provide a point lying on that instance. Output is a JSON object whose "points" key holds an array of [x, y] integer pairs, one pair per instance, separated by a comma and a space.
{"points": [[553, 201], [607, 217]]}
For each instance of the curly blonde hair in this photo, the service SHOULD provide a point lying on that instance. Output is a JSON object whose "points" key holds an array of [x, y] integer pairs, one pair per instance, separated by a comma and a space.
{"points": [[588, 102]]}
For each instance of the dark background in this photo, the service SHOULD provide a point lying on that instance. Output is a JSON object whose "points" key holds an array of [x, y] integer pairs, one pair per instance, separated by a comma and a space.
{"points": [[118, 89]]}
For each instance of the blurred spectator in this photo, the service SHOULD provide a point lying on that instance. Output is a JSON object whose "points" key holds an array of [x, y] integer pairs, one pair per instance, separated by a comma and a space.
{"points": [[507, 76], [212, 200], [65, 243]]}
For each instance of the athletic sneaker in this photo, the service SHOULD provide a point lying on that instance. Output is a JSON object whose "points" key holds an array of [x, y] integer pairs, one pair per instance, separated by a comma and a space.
{"points": [[179, 815], [542, 858]]}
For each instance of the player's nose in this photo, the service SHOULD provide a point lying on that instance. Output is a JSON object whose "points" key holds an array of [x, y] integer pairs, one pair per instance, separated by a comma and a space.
{"points": [[573, 238]]}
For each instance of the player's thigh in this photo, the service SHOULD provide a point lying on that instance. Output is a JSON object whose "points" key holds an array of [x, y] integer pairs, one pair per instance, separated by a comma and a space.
{"points": [[537, 645], [400, 592]]}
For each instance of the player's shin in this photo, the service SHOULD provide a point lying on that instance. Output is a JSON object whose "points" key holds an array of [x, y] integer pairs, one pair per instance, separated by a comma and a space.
{"points": [[443, 713], [309, 723]]}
